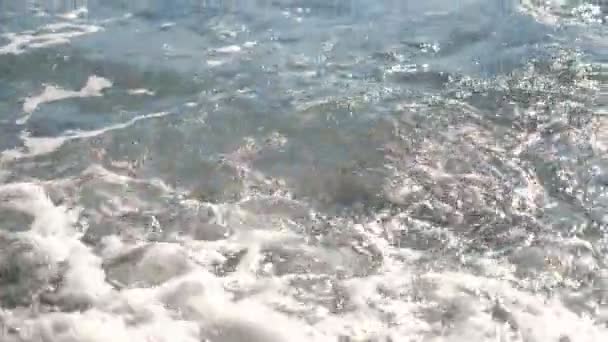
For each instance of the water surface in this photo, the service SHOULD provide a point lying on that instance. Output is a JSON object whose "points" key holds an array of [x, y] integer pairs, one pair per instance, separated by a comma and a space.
{"points": [[342, 170]]}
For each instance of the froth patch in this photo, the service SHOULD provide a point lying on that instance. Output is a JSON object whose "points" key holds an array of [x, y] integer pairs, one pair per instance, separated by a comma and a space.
{"points": [[35, 146], [93, 88], [100, 326], [215, 63], [47, 36], [202, 298], [75, 14], [554, 12], [599, 139], [141, 91], [149, 265], [54, 235], [228, 49]]}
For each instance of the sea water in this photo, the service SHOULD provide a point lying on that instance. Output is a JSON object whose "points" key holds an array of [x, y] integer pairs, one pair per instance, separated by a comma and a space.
{"points": [[303, 170]]}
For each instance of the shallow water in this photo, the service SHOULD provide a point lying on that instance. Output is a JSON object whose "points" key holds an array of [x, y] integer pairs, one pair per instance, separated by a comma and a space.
{"points": [[344, 170]]}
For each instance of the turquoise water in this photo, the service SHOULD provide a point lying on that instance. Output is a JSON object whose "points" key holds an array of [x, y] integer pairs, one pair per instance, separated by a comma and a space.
{"points": [[343, 170]]}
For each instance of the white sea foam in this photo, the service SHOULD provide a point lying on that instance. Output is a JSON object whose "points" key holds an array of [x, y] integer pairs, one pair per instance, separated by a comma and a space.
{"points": [[190, 305], [53, 232], [600, 134], [50, 35], [215, 62], [35, 146], [141, 91], [167, 25], [229, 49], [554, 12], [75, 14], [93, 88], [250, 44], [168, 293]]}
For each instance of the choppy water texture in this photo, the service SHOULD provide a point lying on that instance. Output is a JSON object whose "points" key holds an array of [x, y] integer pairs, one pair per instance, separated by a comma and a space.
{"points": [[303, 170]]}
